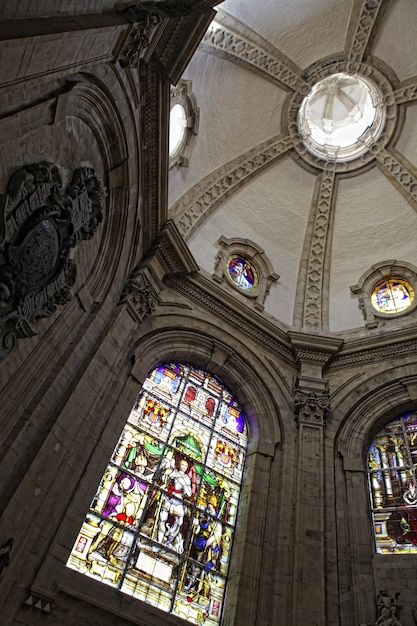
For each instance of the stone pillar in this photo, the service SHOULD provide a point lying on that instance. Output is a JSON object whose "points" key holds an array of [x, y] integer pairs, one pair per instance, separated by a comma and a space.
{"points": [[311, 400]]}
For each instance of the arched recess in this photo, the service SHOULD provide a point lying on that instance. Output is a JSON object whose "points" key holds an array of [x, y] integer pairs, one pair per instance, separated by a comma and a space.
{"points": [[90, 100], [250, 381], [85, 103], [367, 404]]}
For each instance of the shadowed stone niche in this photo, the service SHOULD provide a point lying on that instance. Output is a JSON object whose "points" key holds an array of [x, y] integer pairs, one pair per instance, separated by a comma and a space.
{"points": [[40, 222]]}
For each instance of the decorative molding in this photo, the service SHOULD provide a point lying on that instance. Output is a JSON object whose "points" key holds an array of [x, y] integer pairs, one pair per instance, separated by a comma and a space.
{"points": [[313, 300], [407, 92], [40, 603], [238, 43], [256, 257], [39, 225], [399, 171], [224, 307], [310, 407], [155, 90], [170, 8], [363, 28], [197, 204], [350, 356]]}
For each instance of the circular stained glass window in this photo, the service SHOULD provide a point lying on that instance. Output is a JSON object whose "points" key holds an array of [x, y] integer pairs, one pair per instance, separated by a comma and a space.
{"points": [[177, 128], [341, 117], [242, 273], [392, 296]]}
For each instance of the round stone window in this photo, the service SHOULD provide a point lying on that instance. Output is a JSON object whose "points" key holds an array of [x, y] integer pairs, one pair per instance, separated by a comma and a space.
{"points": [[392, 296], [242, 273], [341, 117], [177, 128]]}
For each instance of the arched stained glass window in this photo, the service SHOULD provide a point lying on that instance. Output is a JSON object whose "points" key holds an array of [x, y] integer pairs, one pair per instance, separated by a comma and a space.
{"points": [[161, 525], [392, 463]]}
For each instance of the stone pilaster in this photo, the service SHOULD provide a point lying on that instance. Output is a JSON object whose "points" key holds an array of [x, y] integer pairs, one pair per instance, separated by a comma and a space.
{"points": [[311, 403]]}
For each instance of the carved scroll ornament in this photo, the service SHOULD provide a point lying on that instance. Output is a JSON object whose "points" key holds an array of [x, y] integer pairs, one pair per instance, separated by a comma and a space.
{"points": [[39, 224]]}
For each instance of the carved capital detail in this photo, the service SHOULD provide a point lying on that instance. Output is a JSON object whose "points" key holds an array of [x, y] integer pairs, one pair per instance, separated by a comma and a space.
{"points": [[310, 407], [39, 224], [138, 40], [140, 294]]}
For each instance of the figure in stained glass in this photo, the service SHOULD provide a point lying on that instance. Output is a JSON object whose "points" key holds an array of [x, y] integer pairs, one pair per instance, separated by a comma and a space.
{"points": [[205, 553], [241, 272], [173, 508], [161, 524]]}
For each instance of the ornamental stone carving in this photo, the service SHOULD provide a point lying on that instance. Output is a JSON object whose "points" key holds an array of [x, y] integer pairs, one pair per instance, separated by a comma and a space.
{"points": [[139, 40], [40, 223], [140, 294], [311, 407]]}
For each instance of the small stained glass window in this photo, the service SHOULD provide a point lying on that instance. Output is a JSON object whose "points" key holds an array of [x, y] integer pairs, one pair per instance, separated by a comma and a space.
{"points": [[393, 485], [242, 273], [161, 525], [392, 296]]}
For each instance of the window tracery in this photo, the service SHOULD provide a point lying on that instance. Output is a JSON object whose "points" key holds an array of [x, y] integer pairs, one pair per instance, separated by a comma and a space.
{"points": [[161, 525]]}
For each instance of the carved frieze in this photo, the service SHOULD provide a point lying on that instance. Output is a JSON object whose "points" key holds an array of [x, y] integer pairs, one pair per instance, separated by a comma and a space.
{"points": [[40, 222]]}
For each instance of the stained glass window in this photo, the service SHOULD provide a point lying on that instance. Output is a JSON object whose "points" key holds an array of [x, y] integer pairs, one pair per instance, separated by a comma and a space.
{"points": [[161, 525], [392, 296], [242, 273], [392, 462]]}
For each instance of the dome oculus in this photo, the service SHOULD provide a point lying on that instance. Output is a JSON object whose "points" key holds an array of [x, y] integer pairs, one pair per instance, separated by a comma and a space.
{"points": [[341, 117]]}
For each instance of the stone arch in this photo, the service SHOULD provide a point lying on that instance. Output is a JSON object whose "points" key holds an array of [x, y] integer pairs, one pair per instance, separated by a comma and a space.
{"points": [[89, 100], [259, 400], [203, 349], [367, 404]]}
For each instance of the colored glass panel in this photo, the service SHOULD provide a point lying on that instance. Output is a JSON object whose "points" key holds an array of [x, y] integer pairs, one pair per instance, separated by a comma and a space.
{"points": [[392, 459], [242, 273], [392, 296], [161, 525]]}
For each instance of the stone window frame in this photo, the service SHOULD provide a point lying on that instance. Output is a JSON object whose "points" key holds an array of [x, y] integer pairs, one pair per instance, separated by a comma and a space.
{"points": [[256, 256], [182, 94], [370, 279]]}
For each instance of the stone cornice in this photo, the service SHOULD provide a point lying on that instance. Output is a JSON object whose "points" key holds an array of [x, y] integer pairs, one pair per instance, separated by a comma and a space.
{"points": [[314, 348], [172, 251], [372, 349], [230, 310], [179, 28]]}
